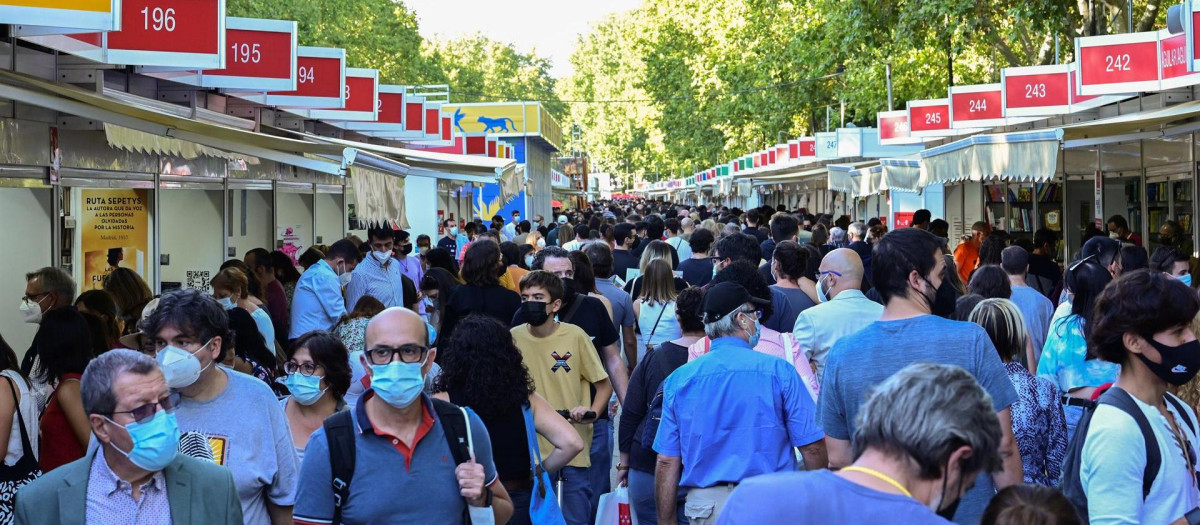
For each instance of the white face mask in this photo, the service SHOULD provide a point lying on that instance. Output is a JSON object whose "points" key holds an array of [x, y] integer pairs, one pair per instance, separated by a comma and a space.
{"points": [[345, 276], [529, 261], [31, 311], [541, 243], [382, 256], [181, 367]]}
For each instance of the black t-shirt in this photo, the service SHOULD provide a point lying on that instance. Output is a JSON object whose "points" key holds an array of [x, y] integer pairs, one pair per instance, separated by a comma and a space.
{"points": [[1044, 275], [655, 366], [697, 272], [623, 261], [591, 316], [493, 300], [757, 233], [506, 431], [764, 271], [409, 292]]}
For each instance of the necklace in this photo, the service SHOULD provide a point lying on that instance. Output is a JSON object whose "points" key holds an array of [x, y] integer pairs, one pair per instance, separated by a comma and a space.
{"points": [[881, 476]]}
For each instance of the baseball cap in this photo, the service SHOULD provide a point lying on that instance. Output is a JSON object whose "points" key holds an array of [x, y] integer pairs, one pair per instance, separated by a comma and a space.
{"points": [[562, 219], [723, 298]]}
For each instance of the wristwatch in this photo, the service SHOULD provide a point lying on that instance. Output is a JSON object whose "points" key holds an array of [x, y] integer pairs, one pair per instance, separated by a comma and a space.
{"points": [[487, 497], [622, 467]]}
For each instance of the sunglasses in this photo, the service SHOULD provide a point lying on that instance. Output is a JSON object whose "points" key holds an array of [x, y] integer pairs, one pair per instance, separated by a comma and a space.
{"points": [[1076, 264], [146, 412]]}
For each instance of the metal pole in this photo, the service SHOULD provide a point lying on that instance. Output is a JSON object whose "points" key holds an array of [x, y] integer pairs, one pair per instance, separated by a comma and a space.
{"points": [[888, 70], [826, 118], [1056, 57], [1129, 13]]}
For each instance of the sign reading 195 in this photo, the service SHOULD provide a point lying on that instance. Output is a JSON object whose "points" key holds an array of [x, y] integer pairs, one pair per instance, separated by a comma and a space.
{"points": [[246, 53], [158, 19]]}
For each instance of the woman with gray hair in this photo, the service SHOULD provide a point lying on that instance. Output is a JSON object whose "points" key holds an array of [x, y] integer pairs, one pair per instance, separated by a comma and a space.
{"points": [[922, 438]]}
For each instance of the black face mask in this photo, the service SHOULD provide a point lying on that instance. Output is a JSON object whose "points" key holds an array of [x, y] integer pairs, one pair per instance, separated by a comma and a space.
{"points": [[535, 312], [945, 301], [948, 511], [570, 289], [1179, 363], [405, 248]]}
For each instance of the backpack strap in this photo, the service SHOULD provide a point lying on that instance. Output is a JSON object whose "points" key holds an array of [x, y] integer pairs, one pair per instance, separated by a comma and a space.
{"points": [[1121, 400], [455, 426], [577, 300], [339, 432], [1179, 408]]}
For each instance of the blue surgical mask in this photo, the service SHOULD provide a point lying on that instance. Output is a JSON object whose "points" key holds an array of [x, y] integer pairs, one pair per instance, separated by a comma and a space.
{"points": [[1186, 279], [821, 290], [155, 442], [227, 303], [754, 339], [529, 261], [306, 390], [397, 384]]}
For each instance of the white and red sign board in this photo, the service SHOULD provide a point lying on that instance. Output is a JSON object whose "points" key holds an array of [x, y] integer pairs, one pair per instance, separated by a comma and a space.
{"points": [[929, 118], [893, 128], [977, 106], [1174, 66], [807, 148], [45, 17], [320, 81], [260, 56], [414, 115], [361, 98], [1123, 63], [1036, 91], [433, 121], [180, 34], [391, 114]]}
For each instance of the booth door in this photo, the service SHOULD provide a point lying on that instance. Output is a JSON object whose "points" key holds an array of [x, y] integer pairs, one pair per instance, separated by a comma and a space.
{"points": [[192, 237], [251, 212], [28, 248]]}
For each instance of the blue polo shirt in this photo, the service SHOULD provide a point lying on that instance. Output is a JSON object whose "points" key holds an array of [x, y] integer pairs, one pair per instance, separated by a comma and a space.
{"points": [[735, 413], [392, 483]]}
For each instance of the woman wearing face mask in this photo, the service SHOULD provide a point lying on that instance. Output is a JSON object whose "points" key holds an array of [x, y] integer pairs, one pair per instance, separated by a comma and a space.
{"points": [[318, 375], [437, 286], [231, 290], [1142, 325], [1168, 260], [1066, 358], [248, 432], [526, 253]]}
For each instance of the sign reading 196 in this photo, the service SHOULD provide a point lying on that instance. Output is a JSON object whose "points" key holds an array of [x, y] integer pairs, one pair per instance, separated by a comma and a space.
{"points": [[158, 19], [181, 26]]}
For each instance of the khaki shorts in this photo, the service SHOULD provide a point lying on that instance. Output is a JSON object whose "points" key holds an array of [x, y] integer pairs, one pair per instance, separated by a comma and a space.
{"points": [[704, 506]]}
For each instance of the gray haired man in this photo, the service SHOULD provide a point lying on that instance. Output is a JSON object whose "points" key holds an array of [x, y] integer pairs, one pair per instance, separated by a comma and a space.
{"points": [[923, 436], [136, 474]]}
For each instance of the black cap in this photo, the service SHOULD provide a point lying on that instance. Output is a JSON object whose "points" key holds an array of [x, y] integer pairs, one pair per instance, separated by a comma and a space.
{"points": [[723, 298]]}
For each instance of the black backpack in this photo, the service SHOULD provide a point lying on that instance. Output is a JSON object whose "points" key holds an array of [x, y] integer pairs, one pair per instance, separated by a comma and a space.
{"points": [[339, 432], [653, 419], [1072, 486]]}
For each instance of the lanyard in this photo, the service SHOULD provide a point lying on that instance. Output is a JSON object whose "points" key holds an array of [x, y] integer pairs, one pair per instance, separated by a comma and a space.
{"points": [[881, 476]]}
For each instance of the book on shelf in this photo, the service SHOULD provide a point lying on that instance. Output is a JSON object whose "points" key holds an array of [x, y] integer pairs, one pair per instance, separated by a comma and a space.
{"points": [[1185, 221], [1024, 194], [1183, 190], [995, 193], [1049, 192], [1156, 192]]}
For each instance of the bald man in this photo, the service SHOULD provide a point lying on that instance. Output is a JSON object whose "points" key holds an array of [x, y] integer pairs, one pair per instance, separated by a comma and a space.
{"points": [[843, 309], [400, 443]]}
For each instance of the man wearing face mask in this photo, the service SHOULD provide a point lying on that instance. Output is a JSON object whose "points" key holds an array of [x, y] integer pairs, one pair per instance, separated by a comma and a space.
{"points": [[46, 289], [565, 369], [246, 428], [842, 311], [391, 453], [318, 303], [711, 405], [136, 472], [450, 241], [926, 433], [909, 270], [379, 274], [510, 229]]}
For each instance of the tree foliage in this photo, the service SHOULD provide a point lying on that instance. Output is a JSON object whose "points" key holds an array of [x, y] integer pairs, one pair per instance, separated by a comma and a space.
{"points": [[480, 69], [680, 85]]}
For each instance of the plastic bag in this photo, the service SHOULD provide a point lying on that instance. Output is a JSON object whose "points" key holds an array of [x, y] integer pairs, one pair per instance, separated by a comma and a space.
{"points": [[615, 509]]}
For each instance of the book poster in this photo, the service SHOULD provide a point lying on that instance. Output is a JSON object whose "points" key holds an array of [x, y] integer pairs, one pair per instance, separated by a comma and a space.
{"points": [[114, 232]]}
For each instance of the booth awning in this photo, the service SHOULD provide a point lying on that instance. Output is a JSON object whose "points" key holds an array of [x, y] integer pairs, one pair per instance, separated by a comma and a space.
{"points": [[1021, 156], [902, 174], [379, 197], [1115, 126], [870, 181], [446, 166], [844, 182], [794, 176], [72, 100]]}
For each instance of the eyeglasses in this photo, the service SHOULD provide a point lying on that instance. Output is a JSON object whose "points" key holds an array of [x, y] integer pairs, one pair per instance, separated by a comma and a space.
{"points": [[28, 297], [829, 272], [410, 353], [305, 369], [757, 314], [145, 412]]}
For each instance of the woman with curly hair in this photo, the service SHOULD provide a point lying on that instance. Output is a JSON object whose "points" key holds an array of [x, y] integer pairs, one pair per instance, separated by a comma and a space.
{"points": [[483, 370]]}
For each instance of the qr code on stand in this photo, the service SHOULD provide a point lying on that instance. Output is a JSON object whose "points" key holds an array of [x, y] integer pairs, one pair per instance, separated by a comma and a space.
{"points": [[198, 280]]}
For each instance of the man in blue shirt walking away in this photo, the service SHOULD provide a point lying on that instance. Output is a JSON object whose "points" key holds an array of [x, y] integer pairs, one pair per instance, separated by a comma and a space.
{"points": [[730, 414], [318, 302]]}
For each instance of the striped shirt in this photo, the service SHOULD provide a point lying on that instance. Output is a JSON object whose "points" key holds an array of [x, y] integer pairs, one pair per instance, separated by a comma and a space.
{"points": [[379, 280]]}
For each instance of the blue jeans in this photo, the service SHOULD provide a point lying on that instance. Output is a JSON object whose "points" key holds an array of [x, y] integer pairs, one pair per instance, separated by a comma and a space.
{"points": [[575, 496], [641, 495], [601, 454], [1073, 415], [520, 501]]}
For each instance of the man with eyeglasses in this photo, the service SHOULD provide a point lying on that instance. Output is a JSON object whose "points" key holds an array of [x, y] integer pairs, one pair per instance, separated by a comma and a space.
{"points": [[45, 289], [731, 414], [135, 475], [392, 451], [246, 428], [842, 311]]}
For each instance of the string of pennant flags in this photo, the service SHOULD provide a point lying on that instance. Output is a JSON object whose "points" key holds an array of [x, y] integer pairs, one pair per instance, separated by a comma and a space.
{"points": [[1107, 69]]}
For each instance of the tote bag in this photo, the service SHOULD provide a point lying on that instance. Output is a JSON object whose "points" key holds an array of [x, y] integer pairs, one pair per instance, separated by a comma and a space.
{"points": [[543, 505]]}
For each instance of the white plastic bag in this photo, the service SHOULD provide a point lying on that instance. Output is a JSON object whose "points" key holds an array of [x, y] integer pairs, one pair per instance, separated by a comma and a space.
{"points": [[615, 508]]}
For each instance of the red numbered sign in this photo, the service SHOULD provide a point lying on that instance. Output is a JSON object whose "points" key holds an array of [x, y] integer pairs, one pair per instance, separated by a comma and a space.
{"points": [[893, 127], [1173, 63], [929, 118], [320, 80], [976, 106], [1121, 63], [260, 55], [1036, 91], [808, 147]]}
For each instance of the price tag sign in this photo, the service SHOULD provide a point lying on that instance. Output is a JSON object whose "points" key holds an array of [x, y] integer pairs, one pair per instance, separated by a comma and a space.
{"points": [[1121, 63], [976, 106], [45, 17], [893, 128], [929, 118], [177, 34], [361, 93], [320, 81], [1036, 91]]}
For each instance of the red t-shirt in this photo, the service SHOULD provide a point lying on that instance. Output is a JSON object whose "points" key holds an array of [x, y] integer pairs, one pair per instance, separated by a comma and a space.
{"points": [[58, 443]]}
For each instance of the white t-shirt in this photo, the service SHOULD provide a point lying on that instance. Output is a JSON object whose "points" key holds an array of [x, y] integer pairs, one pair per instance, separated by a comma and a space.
{"points": [[1114, 458], [28, 409]]}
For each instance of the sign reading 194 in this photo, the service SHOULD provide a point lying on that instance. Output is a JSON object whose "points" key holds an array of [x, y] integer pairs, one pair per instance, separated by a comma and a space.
{"points": [[158, 19], [307, 75]]}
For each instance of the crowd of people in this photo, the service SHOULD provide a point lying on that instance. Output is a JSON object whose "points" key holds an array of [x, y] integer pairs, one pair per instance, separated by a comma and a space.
{"points": [[739, 366]]}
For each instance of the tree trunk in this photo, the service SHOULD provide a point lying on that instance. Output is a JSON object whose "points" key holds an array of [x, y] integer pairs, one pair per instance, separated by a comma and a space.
{"points": [[1149, 16]]}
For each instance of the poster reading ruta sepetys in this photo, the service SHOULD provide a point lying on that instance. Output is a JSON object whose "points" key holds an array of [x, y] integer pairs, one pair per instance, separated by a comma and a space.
{"points": [[114, 229]]}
